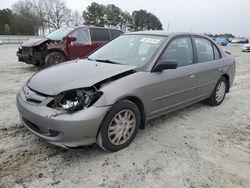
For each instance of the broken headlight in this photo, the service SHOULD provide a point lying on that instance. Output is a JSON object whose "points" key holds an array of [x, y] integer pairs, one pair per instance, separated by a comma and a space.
{"points": [[75, 100]]}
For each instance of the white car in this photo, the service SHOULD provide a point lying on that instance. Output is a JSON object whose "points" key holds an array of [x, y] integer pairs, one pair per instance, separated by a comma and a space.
{"points": [[1, 42], [246, 48]]}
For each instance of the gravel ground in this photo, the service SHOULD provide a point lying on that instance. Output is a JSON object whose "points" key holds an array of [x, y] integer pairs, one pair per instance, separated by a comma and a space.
{"points": [[199, 146]]}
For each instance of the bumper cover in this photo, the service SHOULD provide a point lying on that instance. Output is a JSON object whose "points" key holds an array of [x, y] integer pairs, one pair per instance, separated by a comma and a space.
{"points": [[61, 129], [29, 59]]}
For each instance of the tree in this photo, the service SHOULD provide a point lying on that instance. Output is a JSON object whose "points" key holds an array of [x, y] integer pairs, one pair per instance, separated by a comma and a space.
{"points": [[24, 20], [77, 19], [40, 10], [5, 21], [95, 15], [57, 14], [113, 16], [153, 22], [126, 21], [143, 20]]}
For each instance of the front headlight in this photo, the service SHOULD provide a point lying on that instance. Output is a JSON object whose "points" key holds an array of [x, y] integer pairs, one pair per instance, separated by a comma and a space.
{"points": [[75, 100]]}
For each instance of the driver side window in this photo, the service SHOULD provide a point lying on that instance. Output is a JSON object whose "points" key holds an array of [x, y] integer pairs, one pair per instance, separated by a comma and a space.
{"points": [[82, 36], [179, 50]]}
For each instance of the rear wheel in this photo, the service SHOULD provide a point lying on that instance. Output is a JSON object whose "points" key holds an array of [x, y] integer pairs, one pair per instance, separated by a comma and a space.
{"points": [[120, 126], [219, 93], [54, 58]]}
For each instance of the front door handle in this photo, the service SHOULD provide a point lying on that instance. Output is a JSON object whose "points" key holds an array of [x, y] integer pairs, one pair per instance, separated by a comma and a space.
{"points": [[192, 75]]}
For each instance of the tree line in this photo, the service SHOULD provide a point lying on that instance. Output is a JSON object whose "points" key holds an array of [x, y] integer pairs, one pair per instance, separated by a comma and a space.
{"points": [[28, 17], [113, 16], [226, 35], [33, 17]]}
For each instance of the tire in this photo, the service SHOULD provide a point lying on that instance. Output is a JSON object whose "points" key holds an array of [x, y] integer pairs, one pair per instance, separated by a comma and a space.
{"points": [[113, 126], [54, 58], [219, 93]]}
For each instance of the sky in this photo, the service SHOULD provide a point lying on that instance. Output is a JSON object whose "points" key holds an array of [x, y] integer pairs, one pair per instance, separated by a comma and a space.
{"points": [[199, 16]]}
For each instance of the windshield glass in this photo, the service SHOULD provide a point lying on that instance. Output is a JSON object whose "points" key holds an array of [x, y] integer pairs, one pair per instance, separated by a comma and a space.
{"points": [[129, 50], [59, 33]]}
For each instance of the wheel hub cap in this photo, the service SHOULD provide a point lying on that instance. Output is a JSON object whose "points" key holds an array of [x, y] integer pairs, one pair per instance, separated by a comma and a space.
{"points": [[220, 91], [121, 127]]}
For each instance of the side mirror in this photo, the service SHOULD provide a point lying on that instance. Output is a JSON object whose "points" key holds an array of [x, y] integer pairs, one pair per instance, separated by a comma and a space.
{"points": [[165, 65]]}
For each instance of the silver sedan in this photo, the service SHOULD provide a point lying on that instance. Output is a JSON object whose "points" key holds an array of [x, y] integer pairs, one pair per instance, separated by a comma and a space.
{"points": [[106, 97]]}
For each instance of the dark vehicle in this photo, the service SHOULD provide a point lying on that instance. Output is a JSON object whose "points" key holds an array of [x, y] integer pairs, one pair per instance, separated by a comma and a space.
{"points": [[240, 40], [65, 44]]}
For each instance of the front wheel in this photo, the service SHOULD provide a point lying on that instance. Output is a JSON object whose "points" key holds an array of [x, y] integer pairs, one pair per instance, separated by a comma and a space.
{"points": [[219, 93], [119, 127], [54, 58]]}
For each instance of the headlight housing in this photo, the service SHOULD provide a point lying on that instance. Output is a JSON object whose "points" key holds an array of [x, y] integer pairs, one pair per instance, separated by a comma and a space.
{"points": [[75, 100]]}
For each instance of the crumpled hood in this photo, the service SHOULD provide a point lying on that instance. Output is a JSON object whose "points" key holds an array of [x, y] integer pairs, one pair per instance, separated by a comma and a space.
{"points": [[34, 42], [72, 75]]}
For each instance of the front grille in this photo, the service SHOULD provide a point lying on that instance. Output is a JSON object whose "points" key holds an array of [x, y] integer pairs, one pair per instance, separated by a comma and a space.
{"points": [[34, 101], [26, 51], [32, 96]]}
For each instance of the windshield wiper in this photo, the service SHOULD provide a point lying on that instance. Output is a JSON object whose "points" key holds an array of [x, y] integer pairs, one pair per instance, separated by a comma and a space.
{"points": [[106, 61], [89, 59]]}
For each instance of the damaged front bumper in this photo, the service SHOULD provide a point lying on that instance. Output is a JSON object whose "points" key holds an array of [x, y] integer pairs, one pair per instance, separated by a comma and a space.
{"points": [[35, 59], [61, 129]]}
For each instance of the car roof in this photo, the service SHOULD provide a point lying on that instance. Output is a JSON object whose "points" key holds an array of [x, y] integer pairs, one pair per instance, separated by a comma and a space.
{"points": [[163, 33]]}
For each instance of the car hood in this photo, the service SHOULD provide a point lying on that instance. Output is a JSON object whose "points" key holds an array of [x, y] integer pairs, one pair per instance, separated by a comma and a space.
{"points": [[72, 75], [34, 42]]}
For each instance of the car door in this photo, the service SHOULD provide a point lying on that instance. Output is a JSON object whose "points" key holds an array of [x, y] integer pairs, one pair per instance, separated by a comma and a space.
{"points": [[208, 67], [82, 46], [174, 88], [99, 36]]}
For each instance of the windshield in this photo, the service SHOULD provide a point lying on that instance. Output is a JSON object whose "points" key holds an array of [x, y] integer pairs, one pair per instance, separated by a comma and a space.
{"points": [[59, 33], [134, 50]]}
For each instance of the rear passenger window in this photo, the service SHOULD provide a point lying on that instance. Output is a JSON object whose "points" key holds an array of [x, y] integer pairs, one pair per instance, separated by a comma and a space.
{"points": [[216, 52], [99, 34], [204, 49], [115, 33], [179, 50]]}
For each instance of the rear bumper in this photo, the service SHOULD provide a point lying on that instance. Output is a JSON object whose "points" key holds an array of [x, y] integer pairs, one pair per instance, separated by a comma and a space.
{"points": [[61, 129]]}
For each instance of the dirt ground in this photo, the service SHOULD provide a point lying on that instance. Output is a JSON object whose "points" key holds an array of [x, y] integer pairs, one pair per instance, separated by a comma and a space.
{"points": [[199, 146]]}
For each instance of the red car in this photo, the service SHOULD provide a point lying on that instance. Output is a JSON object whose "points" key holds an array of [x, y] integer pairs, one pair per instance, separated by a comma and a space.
{"points": [[64, 44]]}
